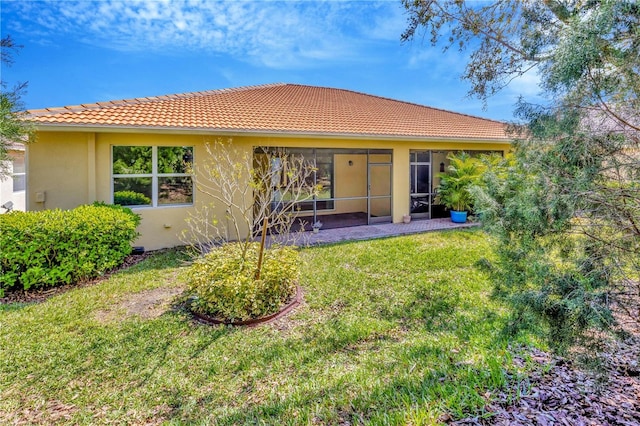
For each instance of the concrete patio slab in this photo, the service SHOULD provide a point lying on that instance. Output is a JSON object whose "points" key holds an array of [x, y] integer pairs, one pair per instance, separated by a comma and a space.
{"points": [[382, 230]]}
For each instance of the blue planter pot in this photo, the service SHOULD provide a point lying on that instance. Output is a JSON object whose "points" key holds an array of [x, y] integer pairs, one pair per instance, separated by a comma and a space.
{"points": [[458, 217]]}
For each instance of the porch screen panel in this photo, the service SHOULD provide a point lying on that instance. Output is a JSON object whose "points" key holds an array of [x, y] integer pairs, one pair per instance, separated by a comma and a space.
{"points": [[351, 175], [324, 176], [380, 207], [420, 181], [379, 190], [380, 180]]}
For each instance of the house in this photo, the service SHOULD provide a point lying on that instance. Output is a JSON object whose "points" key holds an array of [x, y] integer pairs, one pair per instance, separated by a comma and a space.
{"points": [[377, 158], [13, 185]]}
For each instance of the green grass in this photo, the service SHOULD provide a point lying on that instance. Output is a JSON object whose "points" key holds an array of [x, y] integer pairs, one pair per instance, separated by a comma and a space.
{"points": [[393, 331]]}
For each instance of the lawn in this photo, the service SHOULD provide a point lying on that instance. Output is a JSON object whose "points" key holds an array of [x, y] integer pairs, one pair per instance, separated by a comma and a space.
{"points": [[393, 331]]}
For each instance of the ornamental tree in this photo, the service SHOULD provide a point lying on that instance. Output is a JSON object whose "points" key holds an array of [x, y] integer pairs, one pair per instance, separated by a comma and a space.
{"points": [[566, 212]]}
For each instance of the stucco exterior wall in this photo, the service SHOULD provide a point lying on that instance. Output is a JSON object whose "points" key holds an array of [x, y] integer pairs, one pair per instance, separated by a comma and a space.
{"points": [[74, 168], [350, 181], [57, 171]]}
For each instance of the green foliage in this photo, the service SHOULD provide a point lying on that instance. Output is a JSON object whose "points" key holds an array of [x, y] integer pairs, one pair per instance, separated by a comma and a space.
{"points": [[132, 160], [569, 43], [130, 198], [463, 173], [544, 266], [566, 213], [175, 159], [43, 249], [223, 284]]}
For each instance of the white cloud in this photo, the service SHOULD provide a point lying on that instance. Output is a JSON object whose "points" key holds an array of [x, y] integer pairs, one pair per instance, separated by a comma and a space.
{"points": [[271, 33], [526, 85]]}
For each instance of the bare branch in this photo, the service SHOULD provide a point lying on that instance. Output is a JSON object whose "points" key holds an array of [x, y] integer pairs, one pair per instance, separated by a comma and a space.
{"points": [[249, 188]]}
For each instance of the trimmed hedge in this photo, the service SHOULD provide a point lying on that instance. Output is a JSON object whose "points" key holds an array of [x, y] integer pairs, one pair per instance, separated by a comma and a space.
{"points": [[51, 247], [222, 284]]}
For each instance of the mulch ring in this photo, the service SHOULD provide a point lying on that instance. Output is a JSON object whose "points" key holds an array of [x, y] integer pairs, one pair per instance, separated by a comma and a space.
{"points": [[288, 307], [40, 295], [567, 395]]}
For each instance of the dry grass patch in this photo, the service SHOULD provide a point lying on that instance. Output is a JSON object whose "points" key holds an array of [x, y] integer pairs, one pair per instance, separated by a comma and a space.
{"points": [[146, 304]]}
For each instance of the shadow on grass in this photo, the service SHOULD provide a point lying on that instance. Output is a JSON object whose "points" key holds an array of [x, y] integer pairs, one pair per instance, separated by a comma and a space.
{"points": [[162, 350], [16, 306], [392, 401], [440, 385], [146, 347]]}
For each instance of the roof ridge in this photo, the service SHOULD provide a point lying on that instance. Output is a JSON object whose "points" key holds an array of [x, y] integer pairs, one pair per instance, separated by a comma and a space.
{"points": [[144, 99]]}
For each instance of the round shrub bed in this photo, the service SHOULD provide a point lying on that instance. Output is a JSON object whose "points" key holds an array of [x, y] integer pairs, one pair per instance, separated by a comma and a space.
{"points": [[223, 285]]}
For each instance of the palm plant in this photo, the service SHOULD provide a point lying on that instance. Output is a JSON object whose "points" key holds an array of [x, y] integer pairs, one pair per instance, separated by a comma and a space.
{"points": [[463, 172]]}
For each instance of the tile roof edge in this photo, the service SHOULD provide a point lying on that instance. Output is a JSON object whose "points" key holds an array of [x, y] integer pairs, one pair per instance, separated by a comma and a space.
{"points": [[254, 132], [136, 101]]}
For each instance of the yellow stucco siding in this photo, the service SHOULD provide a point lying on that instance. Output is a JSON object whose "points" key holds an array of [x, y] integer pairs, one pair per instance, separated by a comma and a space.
{"points": [[437, 158], [57, 165], [350, 180], [82, 174], [162, 227], [74, 168], [400, 182]]}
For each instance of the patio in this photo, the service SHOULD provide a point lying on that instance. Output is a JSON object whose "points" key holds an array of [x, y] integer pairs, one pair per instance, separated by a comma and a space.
{"points": [[381, 230]]}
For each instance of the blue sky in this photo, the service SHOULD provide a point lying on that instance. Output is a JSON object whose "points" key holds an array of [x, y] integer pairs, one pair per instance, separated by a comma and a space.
{"points": [[88, 51]]}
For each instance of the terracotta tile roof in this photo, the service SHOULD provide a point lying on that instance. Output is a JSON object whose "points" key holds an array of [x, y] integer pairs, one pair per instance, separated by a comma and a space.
{"points": [[276, 108]]}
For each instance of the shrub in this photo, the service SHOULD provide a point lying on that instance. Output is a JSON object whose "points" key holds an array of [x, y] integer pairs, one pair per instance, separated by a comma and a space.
{"points": [[463, 172], [130, 198], [46, 248], [222, 283]]}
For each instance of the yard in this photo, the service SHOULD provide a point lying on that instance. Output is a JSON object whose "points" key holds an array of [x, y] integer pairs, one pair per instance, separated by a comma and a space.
{"points": [[393, 331]]}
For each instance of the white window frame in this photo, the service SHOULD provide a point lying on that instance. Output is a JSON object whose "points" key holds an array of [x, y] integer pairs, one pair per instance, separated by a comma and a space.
{"points": [[154, 175], [23, 178], [18, 175]]}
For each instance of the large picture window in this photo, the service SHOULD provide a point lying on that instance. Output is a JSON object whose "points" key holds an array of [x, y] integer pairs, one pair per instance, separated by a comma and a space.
{"points": [[152, 176]]}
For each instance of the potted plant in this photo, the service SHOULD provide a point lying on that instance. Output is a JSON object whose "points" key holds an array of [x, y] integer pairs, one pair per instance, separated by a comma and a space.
{"points": [[453, 192], [316, 226]]}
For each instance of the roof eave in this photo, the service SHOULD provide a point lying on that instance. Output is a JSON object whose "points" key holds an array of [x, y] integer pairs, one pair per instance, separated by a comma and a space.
{"points": [[257, 133]]}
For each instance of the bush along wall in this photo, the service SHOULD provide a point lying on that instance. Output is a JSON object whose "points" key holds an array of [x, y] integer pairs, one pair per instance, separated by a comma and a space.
{"points": [[52, 247]]}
